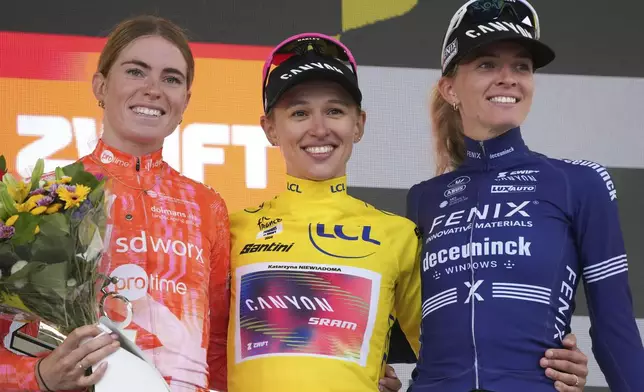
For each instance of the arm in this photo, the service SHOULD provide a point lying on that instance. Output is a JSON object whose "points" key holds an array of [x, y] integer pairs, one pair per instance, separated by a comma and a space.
{"points": [[219, 296], [617, 344], [408, 289]]}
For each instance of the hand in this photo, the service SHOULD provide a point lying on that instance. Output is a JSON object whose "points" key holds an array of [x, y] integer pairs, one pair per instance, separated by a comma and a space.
{"points": [[568, 367], [65, 367], [390, 383]]}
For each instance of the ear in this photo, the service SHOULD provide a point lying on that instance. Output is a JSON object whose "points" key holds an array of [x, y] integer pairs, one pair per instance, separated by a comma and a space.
{"points": [[360, 123], [268, 125], [99, 86], [446, 88]]}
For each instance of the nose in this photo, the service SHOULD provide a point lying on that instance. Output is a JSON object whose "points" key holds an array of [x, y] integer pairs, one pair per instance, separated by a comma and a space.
{"points": [[318, 127], [152, 89], [507, 76]]}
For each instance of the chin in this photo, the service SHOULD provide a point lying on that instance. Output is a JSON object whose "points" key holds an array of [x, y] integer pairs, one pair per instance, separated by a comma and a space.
{"points": [[321, 174]]}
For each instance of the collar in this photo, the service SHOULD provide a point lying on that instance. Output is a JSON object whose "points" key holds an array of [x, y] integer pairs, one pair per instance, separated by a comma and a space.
{"points": [[300, 190], [496, 152], [117, 161]]}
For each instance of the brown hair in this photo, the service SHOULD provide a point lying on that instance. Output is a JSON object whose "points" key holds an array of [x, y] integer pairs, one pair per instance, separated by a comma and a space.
{"points": [[140, 26], [447, 130]]}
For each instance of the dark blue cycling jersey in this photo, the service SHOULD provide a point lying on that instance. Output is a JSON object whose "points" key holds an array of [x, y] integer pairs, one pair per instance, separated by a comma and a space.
{"points": [[508, 237]]}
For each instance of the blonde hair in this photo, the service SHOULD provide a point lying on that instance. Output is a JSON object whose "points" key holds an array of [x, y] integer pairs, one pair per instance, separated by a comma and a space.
{"points": [[447, 130]]}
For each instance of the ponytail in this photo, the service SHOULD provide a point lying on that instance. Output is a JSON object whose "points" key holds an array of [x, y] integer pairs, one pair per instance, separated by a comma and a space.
{"points": [[447, 130]]}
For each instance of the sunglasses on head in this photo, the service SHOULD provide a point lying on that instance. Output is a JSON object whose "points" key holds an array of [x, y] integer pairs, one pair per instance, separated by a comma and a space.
{"points": [[301, 44]]}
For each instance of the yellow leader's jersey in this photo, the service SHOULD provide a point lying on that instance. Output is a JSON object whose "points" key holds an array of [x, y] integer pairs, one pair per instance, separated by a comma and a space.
{"points": [[318, 279]]}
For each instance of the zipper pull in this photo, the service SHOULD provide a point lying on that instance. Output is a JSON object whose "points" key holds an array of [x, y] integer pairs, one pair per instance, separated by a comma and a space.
{"points": [[483, 148], [138, 164]]}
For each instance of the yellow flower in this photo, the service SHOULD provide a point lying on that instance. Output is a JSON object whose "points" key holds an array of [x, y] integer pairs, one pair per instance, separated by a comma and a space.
{"points": [[38, 210], [73, 199], [11, 221], [34, 199], [37, 229], [54, 208], [65, 180], [19, 192]]}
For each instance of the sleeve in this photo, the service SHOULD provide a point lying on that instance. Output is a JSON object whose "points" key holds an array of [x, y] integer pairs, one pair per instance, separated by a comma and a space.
{"points": [[408, 289], [219, 300], [616, 341], [17, 372]]}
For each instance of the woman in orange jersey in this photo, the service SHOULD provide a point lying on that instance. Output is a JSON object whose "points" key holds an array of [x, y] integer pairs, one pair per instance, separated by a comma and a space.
{"points": [[318, 277], [170, 238]]}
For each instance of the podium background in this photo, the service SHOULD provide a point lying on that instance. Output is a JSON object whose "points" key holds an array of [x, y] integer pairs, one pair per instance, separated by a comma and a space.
{"points": [[588, 103]]}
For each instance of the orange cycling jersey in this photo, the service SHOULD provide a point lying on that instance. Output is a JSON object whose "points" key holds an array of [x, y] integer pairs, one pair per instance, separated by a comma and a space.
{"points": [[170, 247]]}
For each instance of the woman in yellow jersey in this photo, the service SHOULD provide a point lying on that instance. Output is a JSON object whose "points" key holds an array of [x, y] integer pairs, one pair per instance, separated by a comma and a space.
{"points": [[318, 277]]}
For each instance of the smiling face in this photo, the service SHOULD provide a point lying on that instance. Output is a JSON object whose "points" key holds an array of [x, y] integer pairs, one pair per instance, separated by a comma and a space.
{"points": [[493, 90], [144, 93], [315, 125]]}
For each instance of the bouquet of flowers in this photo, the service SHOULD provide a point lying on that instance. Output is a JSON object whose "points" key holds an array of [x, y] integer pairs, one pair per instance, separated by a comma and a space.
{"points": [[52, 233]]}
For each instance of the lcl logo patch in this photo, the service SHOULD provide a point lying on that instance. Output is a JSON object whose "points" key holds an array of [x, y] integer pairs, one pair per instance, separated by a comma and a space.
{"points": [[293, 187], [343, 242], [338, 188]]}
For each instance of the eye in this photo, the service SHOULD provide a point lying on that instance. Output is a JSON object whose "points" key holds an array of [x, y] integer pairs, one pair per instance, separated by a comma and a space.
{"points": [[486, 65], [524, 67], [173, 80], [134, 72], [335, 112], [298, 113]]}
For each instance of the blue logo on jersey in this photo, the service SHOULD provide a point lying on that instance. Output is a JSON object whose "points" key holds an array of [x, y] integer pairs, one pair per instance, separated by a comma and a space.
{"points": [[324, 237]]}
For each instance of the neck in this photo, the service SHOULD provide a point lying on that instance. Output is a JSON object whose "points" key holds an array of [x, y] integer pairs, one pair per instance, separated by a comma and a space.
{"points": [[131, 147], [482, 133]]}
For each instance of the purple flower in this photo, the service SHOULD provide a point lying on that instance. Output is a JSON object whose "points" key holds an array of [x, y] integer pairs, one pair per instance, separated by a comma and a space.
{"points": [[99, 176], [6, 231], [38, 191], [54, 188], [70, 188], [82, 210], [45, 201]]}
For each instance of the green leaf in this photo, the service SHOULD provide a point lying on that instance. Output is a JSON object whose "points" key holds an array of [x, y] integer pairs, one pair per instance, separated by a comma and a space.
{"points": [[73, 169], [25, 227], [51, 250], [24, 273], [37, 174], [54, 225], [84, 178], [97, 194], [52, 277], [7, 202], [8, 256], [10, 180], [3, 163], [59, 173]]}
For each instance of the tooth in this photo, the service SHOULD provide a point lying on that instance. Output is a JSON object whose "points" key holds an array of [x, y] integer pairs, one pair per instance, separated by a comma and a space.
{"points": [[319, 149]]}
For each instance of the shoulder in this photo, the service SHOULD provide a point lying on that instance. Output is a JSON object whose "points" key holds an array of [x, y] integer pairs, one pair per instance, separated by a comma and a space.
{"points": [[394, 222], [587, 176], [203, 194], [250, 214]]}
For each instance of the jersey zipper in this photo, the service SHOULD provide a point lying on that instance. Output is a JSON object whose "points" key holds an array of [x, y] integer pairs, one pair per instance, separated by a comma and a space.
{"points": [[473, 277]]}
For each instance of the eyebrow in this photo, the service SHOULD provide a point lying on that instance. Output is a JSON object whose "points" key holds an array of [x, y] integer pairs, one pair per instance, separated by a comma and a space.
{"points": [[144, 65]]}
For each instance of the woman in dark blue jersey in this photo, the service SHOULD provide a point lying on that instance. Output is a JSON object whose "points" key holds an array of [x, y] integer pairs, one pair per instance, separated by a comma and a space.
{"points": [[509, 233]]}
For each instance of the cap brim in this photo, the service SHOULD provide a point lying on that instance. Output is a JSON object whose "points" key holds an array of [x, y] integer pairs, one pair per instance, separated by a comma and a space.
{"points": [[541, 53], [321, 74]]}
